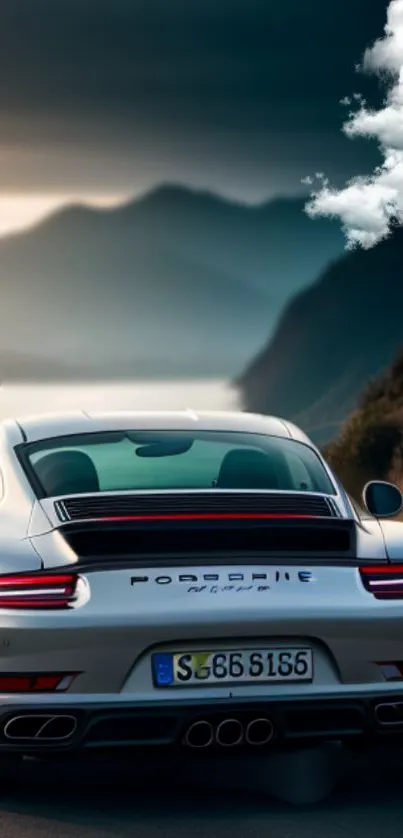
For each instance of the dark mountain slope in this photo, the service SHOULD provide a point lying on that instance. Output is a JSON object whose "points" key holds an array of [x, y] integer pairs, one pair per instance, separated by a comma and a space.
{"points": [[331, 339]]}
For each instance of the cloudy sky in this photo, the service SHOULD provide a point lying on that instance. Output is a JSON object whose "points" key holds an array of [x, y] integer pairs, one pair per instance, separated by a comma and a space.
{"points": [[101, 99], [370, 205]]}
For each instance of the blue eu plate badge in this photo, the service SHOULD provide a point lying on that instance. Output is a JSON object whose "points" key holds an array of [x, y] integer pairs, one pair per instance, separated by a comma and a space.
{"points": [[163, 669]]}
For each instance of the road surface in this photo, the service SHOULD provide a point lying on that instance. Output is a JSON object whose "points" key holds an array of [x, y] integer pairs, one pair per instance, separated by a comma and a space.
{"points": [[103, 800]]}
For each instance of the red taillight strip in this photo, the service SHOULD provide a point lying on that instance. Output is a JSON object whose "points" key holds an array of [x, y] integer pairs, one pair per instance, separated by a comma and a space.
{"points": [[222, 516], [33, 602], [381, 569], [383, 581], [37, 580], [48, 682], [37, 590]]}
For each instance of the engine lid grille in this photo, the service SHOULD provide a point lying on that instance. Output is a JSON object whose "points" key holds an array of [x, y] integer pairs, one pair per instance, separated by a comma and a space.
{"points": [[131, 507]]}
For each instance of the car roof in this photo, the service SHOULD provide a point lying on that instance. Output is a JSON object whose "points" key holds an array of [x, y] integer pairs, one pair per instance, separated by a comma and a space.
{"points": [[47, 426]]}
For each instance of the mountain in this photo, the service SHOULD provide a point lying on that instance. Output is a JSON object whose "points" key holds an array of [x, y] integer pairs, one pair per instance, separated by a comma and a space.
{"points": [[331, 339], [175, 283]]}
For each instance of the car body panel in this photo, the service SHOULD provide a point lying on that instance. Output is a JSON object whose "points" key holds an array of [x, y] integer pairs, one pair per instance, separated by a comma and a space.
{"points": [[392, 532], [79, 422], [127, 610], [122, 618]]}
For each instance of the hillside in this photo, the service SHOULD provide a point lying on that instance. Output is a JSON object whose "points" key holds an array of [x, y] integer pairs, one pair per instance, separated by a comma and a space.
{"points": [[369, 445], [175, 283], [331, 339]]}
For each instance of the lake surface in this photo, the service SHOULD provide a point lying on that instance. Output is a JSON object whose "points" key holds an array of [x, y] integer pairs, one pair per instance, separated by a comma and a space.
{"points": [[19, 400]]}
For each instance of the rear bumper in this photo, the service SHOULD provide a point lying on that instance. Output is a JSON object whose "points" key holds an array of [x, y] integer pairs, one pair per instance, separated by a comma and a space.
{"points": [[110, 724]]}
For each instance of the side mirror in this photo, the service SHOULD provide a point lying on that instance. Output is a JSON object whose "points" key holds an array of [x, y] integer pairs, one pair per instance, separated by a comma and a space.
{"points": [[383, 500]]}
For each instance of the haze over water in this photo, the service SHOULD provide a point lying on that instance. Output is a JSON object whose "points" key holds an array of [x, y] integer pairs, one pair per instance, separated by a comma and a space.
{"points": [[25, 399]]}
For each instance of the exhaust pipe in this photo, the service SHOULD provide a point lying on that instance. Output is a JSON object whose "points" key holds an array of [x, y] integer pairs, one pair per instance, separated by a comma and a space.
{"points": [[389, 714], [229, 733], [40, 728], [199, 735], [259, 732]]}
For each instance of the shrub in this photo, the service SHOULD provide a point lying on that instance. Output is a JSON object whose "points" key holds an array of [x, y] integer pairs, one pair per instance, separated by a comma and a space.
{"points": [[370, 443]]}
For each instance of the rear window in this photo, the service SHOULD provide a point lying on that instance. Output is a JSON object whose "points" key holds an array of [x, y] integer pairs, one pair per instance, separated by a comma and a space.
{"points": [[134, 460]]}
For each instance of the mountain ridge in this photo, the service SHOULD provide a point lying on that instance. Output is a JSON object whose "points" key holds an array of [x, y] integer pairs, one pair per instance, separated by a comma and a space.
{"points": [[181, 279]]}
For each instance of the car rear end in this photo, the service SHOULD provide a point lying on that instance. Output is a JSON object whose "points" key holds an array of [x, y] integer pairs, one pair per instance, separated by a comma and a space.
{"points": [[202, 618]]}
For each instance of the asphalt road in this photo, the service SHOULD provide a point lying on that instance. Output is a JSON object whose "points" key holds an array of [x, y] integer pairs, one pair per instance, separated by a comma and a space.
{"points": [[104, 798]]}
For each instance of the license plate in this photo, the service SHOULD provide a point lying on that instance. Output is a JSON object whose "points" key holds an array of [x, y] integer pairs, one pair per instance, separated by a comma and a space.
{"points": [[243, 666]]}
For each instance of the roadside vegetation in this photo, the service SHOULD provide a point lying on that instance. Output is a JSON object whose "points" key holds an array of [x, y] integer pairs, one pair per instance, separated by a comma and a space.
{"points": [[370, 443]]}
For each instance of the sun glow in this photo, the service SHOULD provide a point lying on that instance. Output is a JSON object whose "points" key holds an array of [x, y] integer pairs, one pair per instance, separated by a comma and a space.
{"points": [[19, 212]]}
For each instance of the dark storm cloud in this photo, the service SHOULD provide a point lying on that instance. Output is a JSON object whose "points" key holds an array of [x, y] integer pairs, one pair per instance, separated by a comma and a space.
{"points": [[242, 75]]}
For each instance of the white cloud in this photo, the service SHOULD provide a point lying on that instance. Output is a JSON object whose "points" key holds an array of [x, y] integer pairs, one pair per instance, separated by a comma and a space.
{"points": [[369, 206]]}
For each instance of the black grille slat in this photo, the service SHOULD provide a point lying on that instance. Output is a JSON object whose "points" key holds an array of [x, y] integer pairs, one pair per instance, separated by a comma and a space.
{"points": [[104, 506]]}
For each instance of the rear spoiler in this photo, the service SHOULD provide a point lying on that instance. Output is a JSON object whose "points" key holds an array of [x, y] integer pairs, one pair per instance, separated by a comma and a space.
{"points": [[244, 537], [209, 526]]}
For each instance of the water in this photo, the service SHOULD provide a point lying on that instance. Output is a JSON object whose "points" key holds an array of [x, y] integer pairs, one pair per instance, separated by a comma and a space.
{"points": [[20, 400]]}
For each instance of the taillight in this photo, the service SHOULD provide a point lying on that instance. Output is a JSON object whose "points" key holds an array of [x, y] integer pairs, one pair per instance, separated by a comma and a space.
{"points": [[383, 581], [32, 591], [47, 683]]}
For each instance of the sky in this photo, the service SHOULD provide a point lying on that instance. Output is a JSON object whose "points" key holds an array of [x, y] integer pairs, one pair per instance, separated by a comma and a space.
{"points": [[370, 205], [103, 99]]}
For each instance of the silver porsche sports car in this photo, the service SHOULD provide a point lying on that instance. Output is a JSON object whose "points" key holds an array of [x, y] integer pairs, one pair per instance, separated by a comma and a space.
{"points": [[191, 581]]}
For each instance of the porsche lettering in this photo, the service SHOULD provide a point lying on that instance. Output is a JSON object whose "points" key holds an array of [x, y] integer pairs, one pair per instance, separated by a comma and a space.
{"points": [[273, 577]]}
